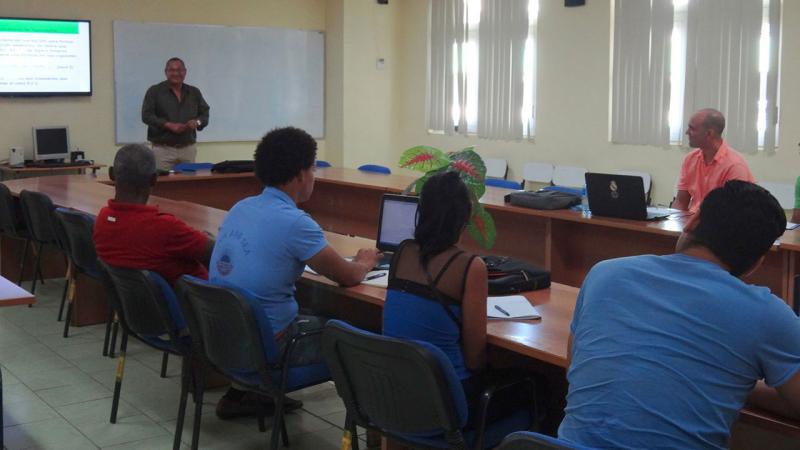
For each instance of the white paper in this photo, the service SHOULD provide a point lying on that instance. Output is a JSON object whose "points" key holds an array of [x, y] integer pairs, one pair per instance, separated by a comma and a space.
{"points": [[517, 307], [381, 278]]}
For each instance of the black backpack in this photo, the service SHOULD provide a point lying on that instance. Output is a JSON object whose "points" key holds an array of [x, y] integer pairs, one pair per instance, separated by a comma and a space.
{"points": [[234, 166]]}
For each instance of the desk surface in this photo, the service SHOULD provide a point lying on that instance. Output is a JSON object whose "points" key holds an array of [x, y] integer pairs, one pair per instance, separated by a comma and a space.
{"points": [[7, 168], [11, 294]]}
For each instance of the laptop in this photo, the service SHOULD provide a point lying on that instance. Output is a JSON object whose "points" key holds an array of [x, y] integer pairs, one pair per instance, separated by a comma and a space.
{"points": [[621, 196], [396, 223]]}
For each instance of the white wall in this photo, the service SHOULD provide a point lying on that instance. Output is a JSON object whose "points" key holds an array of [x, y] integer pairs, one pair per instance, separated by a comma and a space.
{"points": [[573, 104]]}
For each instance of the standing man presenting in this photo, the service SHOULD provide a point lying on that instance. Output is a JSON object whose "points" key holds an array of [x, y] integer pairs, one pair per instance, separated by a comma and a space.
{"points": [[711, 164], [173, 112]]}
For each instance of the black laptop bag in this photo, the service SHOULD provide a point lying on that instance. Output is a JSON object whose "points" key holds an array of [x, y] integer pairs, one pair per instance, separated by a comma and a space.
{"points": [[543, 199], [510, 276]]}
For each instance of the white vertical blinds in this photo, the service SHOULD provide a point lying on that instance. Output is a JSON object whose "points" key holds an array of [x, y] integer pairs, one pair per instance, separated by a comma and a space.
{"points": [[448, 32], [501, 48], [722, 69], [641, 81]]}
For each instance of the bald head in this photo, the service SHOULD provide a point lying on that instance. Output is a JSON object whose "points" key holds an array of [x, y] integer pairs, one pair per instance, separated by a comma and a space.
{"points": [[712, 120], [134, 167]]}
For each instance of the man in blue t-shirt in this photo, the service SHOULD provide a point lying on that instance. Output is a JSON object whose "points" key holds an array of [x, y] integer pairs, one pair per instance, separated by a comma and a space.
{"points": [[665, 349], [266, 241]]}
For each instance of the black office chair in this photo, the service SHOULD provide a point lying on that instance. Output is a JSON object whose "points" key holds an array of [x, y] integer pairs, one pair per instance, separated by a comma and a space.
{"points": [[409, 391], [148, 310], [78, 228], [232, 333], [528, 440], [37, 209], [12, 225]]}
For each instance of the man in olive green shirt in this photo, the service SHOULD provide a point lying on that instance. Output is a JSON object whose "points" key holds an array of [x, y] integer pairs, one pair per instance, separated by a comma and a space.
{"points": [[173, 112]]}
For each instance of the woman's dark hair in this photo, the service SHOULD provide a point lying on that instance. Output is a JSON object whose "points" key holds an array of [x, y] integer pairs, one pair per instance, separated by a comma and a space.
{"points": [[282, 154], [444, 209]]}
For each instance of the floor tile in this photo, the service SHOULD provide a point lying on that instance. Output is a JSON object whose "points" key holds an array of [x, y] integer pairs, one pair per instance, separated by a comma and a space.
{"points": [[26, 411], [127, 429], [95, 411], [77, 393], [45, 379], [160, 442], [18, 393], [54, 434]]}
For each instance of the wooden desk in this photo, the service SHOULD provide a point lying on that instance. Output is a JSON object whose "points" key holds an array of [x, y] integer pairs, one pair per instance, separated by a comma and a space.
{"points": [[11, 294], [8, 172]]}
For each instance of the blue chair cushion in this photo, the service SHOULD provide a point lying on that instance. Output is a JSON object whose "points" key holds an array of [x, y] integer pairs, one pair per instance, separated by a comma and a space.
{"points": [[192, 167], [322, 164], [375, 168], [506, 184], [172, 302]]}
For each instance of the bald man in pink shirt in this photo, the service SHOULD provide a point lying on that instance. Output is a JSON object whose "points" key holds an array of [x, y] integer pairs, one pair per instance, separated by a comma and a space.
{"points": [[710, 164]]}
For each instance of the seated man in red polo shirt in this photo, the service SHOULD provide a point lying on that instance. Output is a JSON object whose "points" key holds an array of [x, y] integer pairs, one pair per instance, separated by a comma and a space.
{"points": [[130, 233]]}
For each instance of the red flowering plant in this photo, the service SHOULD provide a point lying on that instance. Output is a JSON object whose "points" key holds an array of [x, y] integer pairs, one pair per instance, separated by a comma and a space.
{"points": [[469, 166]]}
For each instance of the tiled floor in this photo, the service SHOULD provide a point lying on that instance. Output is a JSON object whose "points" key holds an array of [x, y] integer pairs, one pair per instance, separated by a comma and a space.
{"points": [[57, 393]]}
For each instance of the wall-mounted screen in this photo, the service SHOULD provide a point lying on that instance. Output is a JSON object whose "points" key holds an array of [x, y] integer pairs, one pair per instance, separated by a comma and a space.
{"points": [[40, 57]]}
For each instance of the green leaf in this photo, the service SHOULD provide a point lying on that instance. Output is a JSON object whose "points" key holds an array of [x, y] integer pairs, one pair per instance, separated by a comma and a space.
{"points": [[470, 167], [423, 158], [481, 227]]}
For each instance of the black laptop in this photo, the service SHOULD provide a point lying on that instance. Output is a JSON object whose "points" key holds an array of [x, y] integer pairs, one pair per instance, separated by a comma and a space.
{"points": [[396, 223], [620, 196]]}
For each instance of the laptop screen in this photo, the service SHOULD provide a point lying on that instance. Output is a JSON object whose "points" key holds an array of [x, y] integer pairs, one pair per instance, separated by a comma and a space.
{"points": [[397, 221]]}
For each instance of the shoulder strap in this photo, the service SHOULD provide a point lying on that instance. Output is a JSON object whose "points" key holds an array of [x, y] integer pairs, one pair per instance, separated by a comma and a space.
{"points": [[433, 283]]}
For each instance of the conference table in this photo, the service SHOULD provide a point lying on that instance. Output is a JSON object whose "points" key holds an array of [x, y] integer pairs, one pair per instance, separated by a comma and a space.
{"points": [[346, 202]]}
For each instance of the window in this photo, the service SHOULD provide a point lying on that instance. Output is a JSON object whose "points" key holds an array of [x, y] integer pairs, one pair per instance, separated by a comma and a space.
{"points": [[740, 38], [482, 67]]}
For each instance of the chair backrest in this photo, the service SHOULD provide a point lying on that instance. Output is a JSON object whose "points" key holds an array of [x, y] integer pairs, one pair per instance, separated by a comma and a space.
{"points": [[646, 180], [323, 164], [496, 167], [11, 222], [375, 168], [529, 440], [398, 386], [538, 172], [191, 167], [219, 316], [78, 228], [145, 303], [37, 209], [784, 192], [507, 184], [569, 176]]}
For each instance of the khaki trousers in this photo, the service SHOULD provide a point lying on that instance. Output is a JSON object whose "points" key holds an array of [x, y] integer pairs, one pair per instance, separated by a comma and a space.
{"points": [[167, 157]]}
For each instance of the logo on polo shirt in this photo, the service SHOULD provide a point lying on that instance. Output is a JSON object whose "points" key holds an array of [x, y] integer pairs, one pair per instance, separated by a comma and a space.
{"points": [[224, 265]]}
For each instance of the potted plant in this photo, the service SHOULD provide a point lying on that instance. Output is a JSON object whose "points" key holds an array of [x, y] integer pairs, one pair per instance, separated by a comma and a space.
{"points": [[470, 167]]}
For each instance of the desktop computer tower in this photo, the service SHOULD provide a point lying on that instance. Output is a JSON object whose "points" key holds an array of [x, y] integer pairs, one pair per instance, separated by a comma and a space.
{"points": [[16, 157]]}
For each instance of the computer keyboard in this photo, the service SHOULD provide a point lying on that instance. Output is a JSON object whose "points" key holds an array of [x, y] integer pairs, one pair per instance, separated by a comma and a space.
{"points": [[81, 163]]}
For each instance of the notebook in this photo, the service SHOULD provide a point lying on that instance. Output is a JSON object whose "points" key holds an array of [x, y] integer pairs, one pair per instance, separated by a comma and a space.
{"points": [[397, 221], [621, 196], [510, 307]]}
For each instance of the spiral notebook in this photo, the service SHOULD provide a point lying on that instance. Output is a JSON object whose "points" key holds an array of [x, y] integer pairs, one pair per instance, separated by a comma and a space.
{"points": [[510, 307]]}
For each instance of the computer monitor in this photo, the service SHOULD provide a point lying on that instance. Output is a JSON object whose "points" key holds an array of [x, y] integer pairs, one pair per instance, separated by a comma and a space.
{"points": [[50, 143], [398, 220]]}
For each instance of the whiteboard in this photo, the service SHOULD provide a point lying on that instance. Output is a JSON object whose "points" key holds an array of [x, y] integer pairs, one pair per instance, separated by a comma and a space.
{"points": [[254, 79]]}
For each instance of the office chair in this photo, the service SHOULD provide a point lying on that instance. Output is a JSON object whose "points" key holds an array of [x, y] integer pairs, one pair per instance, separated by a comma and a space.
{"points": [[148, 311], [322, 164], [375, 168], [219, 316], [79, 228], [13, 226], [409, 391], [506, 184], [528, 440], [192, 167], [37, 209]]}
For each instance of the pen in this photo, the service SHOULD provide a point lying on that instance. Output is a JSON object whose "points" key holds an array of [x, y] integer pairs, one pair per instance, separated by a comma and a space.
{"points": [[502, 310], [377, 275]]}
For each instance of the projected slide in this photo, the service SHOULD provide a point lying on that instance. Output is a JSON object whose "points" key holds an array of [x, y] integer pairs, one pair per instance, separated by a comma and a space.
{"points": [[45, 57]]}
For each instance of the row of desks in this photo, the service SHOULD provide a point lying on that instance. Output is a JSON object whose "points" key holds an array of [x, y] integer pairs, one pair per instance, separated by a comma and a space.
{"points": [[346, 202]]}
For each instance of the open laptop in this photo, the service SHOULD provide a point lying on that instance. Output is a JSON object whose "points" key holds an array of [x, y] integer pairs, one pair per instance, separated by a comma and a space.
{"points": [[621, 196], [396, 223]]}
